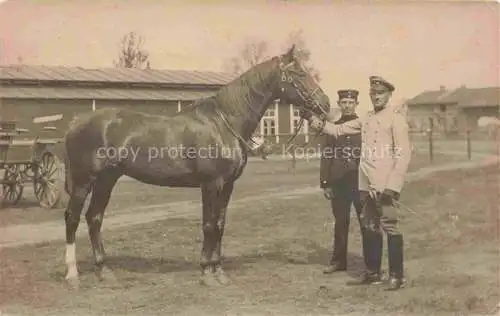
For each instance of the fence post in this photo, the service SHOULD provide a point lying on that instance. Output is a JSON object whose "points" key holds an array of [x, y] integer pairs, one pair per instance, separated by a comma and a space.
{"points": [[469, 150], [431, 145]]}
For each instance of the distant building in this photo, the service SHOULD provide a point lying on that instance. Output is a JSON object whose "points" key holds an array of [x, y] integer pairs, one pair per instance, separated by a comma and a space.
{"points": [[30, 91], [453, 110]]}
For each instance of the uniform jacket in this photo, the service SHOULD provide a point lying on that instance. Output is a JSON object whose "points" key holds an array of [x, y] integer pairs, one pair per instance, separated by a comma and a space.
{"points": [[386, 150], [339, 155]]}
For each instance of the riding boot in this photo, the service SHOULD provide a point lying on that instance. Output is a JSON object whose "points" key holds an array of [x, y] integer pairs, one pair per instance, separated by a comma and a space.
{"points": [[365, 245], [375, 239], [395, 256], [375, 246], [373, 258]]}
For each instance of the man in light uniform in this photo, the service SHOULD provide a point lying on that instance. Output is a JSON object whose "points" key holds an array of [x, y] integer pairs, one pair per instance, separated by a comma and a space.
{"points": [[384, 163]]}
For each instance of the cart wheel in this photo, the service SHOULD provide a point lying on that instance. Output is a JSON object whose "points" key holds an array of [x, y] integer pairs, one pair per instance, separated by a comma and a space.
{"points": [[46, 180], [12, 185]]}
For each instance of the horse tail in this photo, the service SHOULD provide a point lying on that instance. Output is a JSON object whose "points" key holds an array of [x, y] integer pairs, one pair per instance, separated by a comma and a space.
{"points": [[78, 168], [68, 181], [74, 126]]}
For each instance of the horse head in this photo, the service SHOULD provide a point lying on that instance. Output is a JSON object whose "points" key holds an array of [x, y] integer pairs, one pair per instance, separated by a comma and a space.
{"points": [[299, 87]]}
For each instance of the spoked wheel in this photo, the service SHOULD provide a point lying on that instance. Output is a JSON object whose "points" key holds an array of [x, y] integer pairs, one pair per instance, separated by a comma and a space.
{"points": [[47, 175], [12, 184]]}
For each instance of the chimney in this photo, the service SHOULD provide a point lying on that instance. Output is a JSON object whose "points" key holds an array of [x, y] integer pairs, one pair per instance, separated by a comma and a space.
{"points": [[442, 88]]}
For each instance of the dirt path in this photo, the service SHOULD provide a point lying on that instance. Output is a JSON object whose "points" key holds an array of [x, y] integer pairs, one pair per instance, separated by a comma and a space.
{"points": [[17, 235]]}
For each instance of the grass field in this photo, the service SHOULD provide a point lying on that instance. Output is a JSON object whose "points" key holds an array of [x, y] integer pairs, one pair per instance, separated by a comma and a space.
{"points": [[275, 250]]}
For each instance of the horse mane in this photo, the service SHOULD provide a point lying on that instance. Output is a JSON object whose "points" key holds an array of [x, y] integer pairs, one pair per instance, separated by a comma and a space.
{"points": [[230, 96]]}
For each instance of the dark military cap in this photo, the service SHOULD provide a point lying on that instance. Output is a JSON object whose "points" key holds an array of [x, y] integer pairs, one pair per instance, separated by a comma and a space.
{"points": [[350, 93], [380, 84]]}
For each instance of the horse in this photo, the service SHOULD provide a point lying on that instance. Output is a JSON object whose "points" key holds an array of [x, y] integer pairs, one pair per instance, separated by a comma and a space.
{"points": [[103, 145]]}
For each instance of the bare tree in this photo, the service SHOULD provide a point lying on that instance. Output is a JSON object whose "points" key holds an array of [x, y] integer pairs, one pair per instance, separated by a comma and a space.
{"points": [[303, 53], [253, 53], [131, 54]]}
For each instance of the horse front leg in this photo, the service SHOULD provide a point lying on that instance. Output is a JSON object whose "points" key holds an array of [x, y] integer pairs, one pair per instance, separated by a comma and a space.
{"points": [[223, 201], [209, 197]]}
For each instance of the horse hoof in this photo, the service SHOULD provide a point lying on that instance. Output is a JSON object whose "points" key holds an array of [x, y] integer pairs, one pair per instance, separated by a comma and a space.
{"points": [[222, 277], [209, 280], [105, 274], [74, 283]]}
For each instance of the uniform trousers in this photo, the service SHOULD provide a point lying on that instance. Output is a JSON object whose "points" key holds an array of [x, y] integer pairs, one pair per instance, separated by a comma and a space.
{"points": [[345, 193], [378, 219]]}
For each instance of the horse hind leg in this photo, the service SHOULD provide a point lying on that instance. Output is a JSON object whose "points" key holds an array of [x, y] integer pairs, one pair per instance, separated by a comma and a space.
{"points": [[79, 192], [101, 194]]}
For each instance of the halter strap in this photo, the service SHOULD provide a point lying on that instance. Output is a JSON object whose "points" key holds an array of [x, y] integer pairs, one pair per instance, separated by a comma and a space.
{"points": [[235, 134]]}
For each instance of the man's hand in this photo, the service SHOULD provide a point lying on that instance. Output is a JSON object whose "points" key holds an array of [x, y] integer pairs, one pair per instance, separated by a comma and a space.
{"points": [[305, 114], [328, 193], [315, 123], [388, 197]]}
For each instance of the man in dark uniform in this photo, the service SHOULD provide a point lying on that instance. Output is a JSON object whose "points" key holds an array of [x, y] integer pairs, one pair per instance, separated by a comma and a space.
{"points": [[339, 179]]}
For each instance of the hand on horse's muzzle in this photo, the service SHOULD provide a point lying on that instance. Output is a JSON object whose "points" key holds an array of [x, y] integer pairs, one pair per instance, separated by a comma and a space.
{"points": [[305, 114]]}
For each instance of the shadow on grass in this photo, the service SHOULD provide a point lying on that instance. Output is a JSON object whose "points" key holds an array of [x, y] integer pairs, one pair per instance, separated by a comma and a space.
{"points": [[23, 204], [309, 254]]}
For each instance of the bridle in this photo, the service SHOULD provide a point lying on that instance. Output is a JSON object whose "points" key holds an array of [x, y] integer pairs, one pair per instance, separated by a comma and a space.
{"points": [[300, 89], [306, 99]]}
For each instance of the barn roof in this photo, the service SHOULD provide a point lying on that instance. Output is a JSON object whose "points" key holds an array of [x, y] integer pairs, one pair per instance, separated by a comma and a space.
{"points": [[462, 97], [426, 97], [113, 75], [68, 93], [479, 97]]}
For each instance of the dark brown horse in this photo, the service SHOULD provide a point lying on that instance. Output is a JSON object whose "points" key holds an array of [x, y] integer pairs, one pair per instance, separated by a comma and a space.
{"points": [[204, 146]]}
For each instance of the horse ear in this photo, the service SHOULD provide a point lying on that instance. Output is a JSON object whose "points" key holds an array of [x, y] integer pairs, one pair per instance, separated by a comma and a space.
{"points": [[290, 55]]}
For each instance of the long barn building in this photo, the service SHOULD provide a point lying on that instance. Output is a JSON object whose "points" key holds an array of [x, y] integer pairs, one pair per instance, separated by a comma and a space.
{"points": [[31, 91]]}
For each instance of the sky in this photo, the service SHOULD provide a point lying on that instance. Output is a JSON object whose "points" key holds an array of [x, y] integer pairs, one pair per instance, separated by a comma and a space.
{"points": [[415, 45]]}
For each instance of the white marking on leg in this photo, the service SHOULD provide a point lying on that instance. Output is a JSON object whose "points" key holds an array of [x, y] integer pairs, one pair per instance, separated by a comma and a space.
{"points": [[71, 261]]}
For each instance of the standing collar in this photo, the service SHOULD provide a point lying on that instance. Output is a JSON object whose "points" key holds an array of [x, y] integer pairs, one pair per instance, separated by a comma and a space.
{"points": [[345, 118]]}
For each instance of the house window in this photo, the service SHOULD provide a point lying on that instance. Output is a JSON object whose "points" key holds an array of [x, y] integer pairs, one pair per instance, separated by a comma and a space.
{"points": [[269, 126], [295, 119], [271, 111], [269, 122], [294, 122]]}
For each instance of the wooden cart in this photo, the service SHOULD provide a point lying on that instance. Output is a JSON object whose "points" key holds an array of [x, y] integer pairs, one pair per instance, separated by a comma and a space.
{"points": [[29, 161]]}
